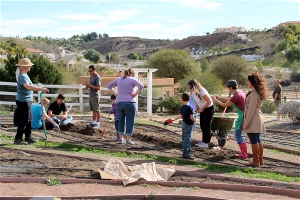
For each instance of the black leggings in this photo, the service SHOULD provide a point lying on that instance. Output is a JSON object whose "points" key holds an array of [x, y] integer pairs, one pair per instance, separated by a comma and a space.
{"points": [[25, 120], [205, 123], [254, 138]]}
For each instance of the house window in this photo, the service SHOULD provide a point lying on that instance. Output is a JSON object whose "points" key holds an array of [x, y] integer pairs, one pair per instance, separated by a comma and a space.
{"points": [[166, 93]]}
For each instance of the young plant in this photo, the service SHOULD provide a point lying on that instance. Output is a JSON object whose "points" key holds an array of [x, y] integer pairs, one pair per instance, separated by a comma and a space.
{"points": [[52, 181]]}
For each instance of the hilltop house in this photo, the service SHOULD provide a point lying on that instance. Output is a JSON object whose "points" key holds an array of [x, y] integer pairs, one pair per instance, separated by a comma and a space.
{"points": [[230, 29], [197, 53], [287, 23]]}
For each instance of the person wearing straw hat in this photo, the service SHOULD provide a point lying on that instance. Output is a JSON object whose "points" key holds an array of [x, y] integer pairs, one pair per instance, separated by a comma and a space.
{"points": [[24, 101], [238, 101]]}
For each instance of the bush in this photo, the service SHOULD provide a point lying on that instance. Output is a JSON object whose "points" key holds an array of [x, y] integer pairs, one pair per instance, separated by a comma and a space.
{"points": [[291, 109], [295, 77], [268, 107], [172, 104]]}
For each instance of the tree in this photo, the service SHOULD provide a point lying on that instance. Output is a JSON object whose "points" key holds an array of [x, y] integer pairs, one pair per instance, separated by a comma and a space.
{"points": [[92, 55], [113, 58], [205, 65], [231, 67], [293, 54], [133, 56], [209, 81], [94, 35], [105, 35], [42, 71], [172, 63]]}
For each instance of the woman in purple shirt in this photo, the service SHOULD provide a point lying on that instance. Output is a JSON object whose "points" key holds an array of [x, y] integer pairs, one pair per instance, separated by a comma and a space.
{"points": [[126, 102]]}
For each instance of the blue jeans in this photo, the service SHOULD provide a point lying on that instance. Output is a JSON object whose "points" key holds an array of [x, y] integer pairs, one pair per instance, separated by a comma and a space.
{"points": [[238, 136], [117, 127], [187, 131], [126, 111], [254, 138]]}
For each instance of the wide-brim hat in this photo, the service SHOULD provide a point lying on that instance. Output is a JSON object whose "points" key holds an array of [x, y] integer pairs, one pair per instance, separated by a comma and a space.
{"points": [[24, 62], [231, 83]]}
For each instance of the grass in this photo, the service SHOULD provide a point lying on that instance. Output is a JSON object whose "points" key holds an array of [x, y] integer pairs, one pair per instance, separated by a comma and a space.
{"points": [[52, 181], [214, 168]]}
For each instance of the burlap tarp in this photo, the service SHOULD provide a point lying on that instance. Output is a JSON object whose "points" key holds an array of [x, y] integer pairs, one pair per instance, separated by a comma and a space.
{"points": [[116, 170]]}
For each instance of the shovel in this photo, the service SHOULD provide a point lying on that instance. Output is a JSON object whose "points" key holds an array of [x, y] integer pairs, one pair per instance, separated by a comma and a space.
{"points": [[102, 132]]}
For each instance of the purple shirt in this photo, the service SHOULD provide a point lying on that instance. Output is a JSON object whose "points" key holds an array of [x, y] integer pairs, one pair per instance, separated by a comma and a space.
{"points": [[113, 110], [126, 87]]}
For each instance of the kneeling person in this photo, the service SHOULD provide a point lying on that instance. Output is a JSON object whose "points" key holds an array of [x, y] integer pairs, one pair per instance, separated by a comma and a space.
{"points": [[56, 107], [37, 115]]}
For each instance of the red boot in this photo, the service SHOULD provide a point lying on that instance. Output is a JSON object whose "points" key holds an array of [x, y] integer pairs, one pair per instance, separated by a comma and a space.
{"points": [[244, 152]]}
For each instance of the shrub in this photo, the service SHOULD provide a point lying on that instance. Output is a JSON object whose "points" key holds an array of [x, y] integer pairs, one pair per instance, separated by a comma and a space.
{"points": [[172, 104], [268, 107], [291, 109], [295, 77]]}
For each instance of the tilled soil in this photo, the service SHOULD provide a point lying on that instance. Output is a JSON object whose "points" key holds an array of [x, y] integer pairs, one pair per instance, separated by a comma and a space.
{"points": [[149, 139]]}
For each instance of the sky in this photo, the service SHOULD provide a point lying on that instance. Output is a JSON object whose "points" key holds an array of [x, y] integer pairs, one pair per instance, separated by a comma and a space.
{"points": [[154, 19]]}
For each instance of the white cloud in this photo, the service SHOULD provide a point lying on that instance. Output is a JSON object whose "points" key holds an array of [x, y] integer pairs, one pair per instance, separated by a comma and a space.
{"points": [[201, 4]]}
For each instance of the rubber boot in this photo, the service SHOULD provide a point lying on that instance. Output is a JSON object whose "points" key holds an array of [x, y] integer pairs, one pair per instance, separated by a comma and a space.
{"points": [[261, 153], [244, 153], [255, 152]]}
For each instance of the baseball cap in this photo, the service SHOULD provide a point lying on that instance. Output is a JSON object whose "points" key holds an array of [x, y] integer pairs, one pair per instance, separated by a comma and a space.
{"points": [[231, 83]]}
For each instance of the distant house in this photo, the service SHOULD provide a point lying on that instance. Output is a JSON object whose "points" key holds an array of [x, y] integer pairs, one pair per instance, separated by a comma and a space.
{"points": [[253, 57], [197, 53], [34, 51], [287, 23], [67, 60], [230, 29]]}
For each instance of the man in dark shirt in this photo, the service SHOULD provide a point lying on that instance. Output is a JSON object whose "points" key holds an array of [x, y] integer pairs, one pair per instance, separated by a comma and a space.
{"points": [[277, 98], [56, 107]]}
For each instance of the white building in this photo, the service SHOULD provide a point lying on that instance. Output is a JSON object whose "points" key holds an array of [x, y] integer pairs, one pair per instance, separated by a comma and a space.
{"points": [[253, 57]]}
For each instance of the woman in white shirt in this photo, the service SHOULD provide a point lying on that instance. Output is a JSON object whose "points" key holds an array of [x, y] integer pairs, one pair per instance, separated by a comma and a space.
{"points": [[204, 106]]}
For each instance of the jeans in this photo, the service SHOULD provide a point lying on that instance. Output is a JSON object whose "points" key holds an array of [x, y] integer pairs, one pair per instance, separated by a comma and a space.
{"points": [[25, 120], [254, 138], [117, 126], [238, 136], [205, 123], [126, 111], [187, 131]]}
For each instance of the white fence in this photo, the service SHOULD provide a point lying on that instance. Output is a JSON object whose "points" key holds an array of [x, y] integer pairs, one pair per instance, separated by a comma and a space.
{"points": [[80, 95]]}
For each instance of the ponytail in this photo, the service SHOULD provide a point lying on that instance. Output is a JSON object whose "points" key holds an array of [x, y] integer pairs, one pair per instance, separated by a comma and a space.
{"points": [[127, 72], [18, 73]]}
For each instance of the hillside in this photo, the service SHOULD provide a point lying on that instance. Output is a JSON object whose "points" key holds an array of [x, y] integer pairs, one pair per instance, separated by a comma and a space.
{"points": [[252, 43], [125, 45]]}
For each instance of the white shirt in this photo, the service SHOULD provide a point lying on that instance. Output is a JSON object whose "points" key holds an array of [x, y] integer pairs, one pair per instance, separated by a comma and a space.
{"points": [[201, 102]]}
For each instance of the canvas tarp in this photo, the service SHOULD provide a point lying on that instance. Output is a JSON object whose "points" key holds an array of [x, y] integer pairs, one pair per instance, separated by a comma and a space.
{"points": [[116, 170]]}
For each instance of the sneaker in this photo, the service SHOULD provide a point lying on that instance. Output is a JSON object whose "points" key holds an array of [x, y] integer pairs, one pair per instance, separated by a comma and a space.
{"points": [[277, 119], [199, 144], [130, 142], [90, 124], [121, 141], [203, 145], [95, 126], [190, 157], [30, 140], [19, 141]]}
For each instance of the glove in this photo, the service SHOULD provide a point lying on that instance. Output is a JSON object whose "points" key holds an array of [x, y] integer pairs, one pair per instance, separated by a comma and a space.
{"points": [[55, 125]]}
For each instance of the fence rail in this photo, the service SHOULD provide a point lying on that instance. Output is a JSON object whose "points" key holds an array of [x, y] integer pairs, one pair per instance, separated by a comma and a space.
{"points": [[80, 95]]}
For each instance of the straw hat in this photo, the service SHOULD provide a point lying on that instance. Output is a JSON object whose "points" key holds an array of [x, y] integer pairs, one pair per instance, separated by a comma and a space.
{"points": [[24, 62]]}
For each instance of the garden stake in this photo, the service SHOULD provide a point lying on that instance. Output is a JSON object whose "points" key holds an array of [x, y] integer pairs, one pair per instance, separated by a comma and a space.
{"points": [[102, 133]]}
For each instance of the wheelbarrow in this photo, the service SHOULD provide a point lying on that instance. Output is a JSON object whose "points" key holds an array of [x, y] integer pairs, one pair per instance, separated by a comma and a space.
{"points": [[220, 126]]}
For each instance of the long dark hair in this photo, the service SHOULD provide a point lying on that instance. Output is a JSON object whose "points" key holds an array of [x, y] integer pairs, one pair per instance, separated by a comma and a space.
{"points": [[258, 82]]}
